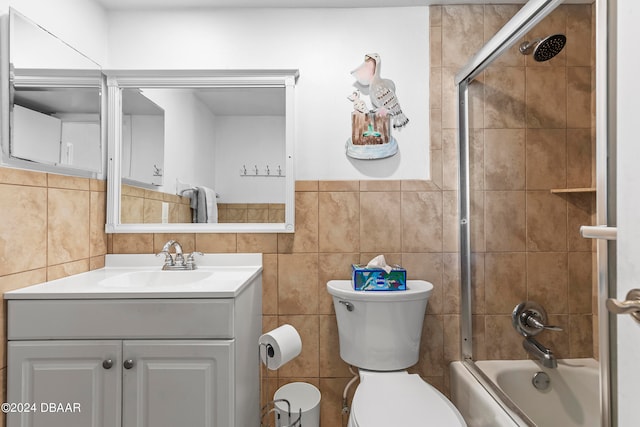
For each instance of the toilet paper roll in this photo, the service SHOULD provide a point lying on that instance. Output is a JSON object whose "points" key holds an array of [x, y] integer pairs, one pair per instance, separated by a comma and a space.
{"points": [[285, 343]]}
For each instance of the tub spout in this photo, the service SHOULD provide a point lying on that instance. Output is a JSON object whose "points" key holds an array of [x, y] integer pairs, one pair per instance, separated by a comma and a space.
{"points": [[540, 352]]}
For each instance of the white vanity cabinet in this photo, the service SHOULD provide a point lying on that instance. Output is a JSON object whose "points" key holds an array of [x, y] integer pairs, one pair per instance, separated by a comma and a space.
{"points": [[98, 359], [44, 372], [142, 383], [172, 382]]}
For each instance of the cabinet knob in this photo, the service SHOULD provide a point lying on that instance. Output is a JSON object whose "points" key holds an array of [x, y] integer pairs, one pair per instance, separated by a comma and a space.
{"points": [[128, 364], [107, 364]]}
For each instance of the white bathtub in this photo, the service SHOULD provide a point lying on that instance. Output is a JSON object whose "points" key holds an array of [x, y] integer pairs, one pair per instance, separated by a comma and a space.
{"points": [[571, 400]]}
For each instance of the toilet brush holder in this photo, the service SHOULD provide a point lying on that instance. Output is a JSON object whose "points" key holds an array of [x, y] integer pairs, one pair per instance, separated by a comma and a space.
{"points": [[281, 419]]}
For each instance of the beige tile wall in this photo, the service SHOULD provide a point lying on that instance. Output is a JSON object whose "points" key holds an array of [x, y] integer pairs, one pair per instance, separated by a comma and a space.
{"points": [[413, 224], [143, 206], [531, 131], [51, 226], [250, 212]]}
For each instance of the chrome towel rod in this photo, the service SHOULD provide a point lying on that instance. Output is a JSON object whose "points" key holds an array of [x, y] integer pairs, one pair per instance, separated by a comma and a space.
{"points": [[181, 193]]}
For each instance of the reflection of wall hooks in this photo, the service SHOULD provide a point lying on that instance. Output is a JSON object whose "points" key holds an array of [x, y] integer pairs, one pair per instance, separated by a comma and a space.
{"points": [[266, 172]]}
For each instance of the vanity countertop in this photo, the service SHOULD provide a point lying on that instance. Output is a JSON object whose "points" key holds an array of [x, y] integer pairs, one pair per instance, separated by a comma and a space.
{"points": [[140, 276]]}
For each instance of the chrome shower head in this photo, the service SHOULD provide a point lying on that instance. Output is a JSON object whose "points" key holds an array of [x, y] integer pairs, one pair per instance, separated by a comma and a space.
{"points": [[544, 48]]}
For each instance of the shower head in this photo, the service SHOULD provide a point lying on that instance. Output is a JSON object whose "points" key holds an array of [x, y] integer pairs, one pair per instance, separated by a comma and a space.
{"points": [[544, 48]]}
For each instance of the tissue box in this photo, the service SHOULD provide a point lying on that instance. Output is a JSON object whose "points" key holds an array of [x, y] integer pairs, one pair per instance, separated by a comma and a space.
{"points": [[376, 279]]}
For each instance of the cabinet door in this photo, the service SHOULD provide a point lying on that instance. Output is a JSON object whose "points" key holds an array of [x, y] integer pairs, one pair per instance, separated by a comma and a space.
{"points": [[178, 383], [64, 383]]}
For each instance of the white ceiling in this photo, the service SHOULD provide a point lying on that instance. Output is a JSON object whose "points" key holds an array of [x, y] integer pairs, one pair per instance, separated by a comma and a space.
{"points": [[244, 101], [173, 4], [148, 4], [220, 101]]}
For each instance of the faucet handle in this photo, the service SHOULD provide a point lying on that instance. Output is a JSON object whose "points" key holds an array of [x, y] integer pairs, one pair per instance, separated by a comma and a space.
{"points": [[532, 319], [168, 261], [529, 319], [191, 260]]}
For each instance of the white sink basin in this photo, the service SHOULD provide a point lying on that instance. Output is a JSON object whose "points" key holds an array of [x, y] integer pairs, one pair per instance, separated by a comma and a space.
{"points": [[156, 279], [141, 276], [186, 279]]}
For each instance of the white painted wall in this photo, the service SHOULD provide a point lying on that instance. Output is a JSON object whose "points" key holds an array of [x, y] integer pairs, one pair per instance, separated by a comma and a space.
{"points": [[188, 138], [146, 148], [80, 23], [324, 44], [250, 141]]}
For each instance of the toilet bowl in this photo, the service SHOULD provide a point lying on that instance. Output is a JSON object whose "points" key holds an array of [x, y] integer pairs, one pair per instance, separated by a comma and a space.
{"points": [[398, 399], [379, 333]]}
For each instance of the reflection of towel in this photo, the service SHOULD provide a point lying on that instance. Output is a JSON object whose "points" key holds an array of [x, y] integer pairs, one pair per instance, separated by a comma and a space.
{"points": [[192, 194], [207, 210]]}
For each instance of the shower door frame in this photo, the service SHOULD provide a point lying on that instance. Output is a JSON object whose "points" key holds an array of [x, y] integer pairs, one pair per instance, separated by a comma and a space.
{"points": [[524, 20]]}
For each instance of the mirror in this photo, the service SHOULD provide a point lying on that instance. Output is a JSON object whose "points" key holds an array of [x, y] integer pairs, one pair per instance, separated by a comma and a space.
{"points": [[142, 139], [52, 104], [200, 151]]}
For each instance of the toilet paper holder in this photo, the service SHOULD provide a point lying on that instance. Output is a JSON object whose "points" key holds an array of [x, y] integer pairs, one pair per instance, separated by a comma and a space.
{"points": [[270, 407], [270, 353]]}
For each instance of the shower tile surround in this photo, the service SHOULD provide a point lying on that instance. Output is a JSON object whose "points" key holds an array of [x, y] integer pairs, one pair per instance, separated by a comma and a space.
{"points": [[53, 226], [531, 130]]}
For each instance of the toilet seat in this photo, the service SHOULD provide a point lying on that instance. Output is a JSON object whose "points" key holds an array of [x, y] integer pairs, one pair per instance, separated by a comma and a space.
{"points": [[385, 399]]}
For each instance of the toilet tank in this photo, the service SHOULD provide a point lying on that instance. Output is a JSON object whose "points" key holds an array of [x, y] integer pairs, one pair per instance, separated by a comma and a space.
{"points": [[380, 330]]}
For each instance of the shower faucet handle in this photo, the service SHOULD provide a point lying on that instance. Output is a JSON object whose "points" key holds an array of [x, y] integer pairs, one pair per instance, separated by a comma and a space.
{"points": [[532, 319], [529, 319]]}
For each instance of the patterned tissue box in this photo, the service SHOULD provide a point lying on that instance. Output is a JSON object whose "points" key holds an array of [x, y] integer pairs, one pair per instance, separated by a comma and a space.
{"points": [[376, 279]]}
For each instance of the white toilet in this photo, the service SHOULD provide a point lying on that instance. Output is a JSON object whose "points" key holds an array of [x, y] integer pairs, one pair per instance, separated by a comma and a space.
{"points": [[380, 334]]}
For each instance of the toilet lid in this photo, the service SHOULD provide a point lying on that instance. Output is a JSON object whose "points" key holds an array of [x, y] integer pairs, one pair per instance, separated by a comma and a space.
{"points": [[401, 399]]}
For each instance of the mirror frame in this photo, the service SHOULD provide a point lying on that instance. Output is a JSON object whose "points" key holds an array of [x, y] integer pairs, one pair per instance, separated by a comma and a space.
{"points": [[123, 79], [39, 79]]}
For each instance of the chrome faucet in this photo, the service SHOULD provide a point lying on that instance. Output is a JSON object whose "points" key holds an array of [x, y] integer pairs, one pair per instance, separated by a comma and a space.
{"points": [[540, 352], [177, 262], [529, 319]]}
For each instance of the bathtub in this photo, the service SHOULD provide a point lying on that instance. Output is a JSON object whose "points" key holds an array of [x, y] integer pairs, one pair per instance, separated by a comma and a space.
{"points": [[572, 398]]}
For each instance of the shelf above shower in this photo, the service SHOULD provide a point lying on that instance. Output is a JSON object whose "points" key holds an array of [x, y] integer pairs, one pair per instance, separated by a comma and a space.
{"points": [[573, 190]]}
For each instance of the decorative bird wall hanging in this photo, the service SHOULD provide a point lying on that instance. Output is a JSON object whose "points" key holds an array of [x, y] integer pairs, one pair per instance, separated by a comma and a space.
{"points": [[370, 128], [382, 91]]}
